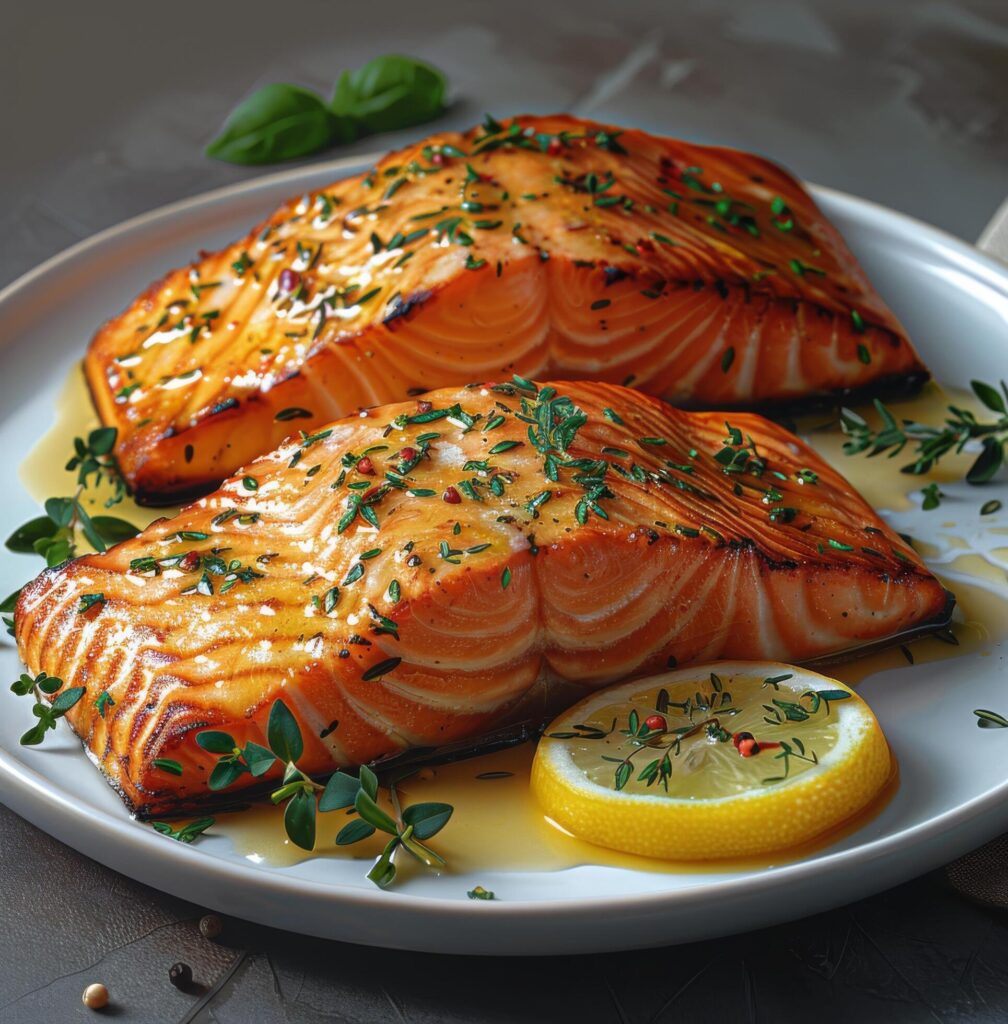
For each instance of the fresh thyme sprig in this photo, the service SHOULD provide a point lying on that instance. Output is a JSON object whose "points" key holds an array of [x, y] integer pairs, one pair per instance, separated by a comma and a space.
{"points": [[409, 829], [186, 833], [47, 714], [54, 535], [305, 798], [94, 458], [933, 443]]}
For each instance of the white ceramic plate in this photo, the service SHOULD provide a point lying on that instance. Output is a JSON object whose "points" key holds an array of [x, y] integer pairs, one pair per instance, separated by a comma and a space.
{"points": [[953, 794]]}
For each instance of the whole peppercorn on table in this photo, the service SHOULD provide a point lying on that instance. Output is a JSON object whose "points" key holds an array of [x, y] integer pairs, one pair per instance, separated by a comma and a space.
{"points": [[896, 104]]}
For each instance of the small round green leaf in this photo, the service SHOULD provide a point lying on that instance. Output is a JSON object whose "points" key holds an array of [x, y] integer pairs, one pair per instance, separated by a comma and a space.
{"points": [[225, 773], [60, 510], [427, 819], [102, 440], [299, 820], [67, 699], [258, 759], [340, 791], [373, 814], [283, 734], [216, 742], [353, 832], [369, 781]]}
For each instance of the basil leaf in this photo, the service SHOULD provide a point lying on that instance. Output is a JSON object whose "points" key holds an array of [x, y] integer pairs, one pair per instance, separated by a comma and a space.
{"points": [[389, 93], [216, 742], [427, 819], [9, 603], [283, 734], [258, 759], [279, 122], [340, 791], [113, 530], [299, 820], [354, 832], [23, 539]]}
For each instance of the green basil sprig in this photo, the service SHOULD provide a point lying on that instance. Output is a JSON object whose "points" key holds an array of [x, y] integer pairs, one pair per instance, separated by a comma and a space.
{"points": [[283, 122]]}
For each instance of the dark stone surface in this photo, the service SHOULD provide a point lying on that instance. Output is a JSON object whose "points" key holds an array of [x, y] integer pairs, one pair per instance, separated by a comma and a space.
{"points": [[918, 952], [106, 110]]}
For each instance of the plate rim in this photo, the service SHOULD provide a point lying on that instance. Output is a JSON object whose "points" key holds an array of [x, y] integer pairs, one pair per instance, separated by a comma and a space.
{"points": [[22, 785]]}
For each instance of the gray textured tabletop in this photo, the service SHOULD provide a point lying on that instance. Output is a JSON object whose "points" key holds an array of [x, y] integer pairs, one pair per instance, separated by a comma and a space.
{"points": [[106, 111]]}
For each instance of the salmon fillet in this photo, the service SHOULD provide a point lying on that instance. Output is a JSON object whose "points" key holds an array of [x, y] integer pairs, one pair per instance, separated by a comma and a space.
{"points": [[409, 576], [547, 246]]}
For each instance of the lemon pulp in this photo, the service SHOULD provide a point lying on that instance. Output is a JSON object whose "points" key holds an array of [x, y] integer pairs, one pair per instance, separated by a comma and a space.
{"points": [[732, 760]]}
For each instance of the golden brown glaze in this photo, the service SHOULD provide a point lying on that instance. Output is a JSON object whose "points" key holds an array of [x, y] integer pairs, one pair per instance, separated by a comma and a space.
{"points": [[488, 560], [549, 246]]}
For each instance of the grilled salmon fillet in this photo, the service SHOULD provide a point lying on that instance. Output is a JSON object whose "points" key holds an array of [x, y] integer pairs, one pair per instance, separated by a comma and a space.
{"points": [[547, 246], [408, 576]]}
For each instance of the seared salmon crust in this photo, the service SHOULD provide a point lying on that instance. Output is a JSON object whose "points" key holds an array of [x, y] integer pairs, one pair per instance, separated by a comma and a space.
{"points": [[411, 576], [547, 246]]}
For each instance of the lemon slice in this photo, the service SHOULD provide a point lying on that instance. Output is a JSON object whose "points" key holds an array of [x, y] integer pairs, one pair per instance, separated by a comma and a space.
{"points": [[726, 760]]}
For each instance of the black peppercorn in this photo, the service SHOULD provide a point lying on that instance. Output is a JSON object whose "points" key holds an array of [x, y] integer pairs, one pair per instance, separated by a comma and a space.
{"points": [[180, 975]]}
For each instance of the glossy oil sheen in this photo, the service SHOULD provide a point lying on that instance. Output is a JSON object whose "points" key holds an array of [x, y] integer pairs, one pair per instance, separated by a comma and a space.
{"points": [[951, 796]]}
